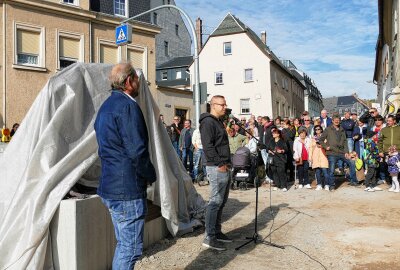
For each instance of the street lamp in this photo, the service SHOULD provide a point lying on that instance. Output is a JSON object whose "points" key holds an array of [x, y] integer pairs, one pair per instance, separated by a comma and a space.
{"points": [[196, 88]]}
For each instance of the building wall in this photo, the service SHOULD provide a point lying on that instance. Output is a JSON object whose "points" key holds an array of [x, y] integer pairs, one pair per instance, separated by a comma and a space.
{"points": [[23, 83], [285, 92], [179, 45], [2, 67], [171, 99], [245, 54], [135, 7]]}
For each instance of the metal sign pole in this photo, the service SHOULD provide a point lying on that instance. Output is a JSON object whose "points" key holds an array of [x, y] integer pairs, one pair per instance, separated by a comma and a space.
{"points": [[196, 88]]}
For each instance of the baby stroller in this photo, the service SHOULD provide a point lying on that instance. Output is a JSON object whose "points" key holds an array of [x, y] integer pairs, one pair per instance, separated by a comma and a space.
{"points": [[244, 168]]}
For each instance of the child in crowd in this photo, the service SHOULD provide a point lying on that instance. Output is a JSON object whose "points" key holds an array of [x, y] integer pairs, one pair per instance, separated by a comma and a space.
{"points": [[393, 168], [371, 159], [301, 156]]}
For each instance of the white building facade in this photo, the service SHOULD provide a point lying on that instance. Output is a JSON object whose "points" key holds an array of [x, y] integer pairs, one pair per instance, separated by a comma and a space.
{"points": [[237, 64]]}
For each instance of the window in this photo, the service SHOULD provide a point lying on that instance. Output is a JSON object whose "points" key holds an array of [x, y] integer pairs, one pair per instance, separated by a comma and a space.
{"points": [[121, 8], [176, 29], [219, 78], [155, 16], [245, 106], [72, 2], [277, 109], [227, 48], [275, 78], [29, 45], [109, 53], [166, 50], [70, 49], [179, 75], [248, 75], [137, 55], [164, 75]]}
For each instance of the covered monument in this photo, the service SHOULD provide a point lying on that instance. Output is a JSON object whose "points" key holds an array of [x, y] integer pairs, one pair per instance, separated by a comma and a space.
{"points": [[55, 147]]}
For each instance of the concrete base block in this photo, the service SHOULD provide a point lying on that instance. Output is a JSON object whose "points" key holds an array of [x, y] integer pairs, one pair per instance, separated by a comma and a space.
{"points": [[82, 234]]}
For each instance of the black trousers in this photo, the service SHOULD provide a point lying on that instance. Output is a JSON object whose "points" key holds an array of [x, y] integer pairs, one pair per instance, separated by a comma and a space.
{"points": [[279, 175], [370, 178]]}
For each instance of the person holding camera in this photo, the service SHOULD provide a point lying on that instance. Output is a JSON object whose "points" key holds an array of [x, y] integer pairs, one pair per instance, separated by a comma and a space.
{"points": [[277, 150]]}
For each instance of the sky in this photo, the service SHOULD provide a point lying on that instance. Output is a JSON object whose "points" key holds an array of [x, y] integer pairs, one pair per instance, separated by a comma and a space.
{"points": [[332, 41]]}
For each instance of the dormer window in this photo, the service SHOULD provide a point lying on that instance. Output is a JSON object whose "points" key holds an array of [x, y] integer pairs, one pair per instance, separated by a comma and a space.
{"points": [[121, 8]]}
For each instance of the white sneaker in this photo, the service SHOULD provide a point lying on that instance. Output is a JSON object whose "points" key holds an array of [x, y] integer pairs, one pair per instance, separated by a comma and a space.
{"points": [[275, 189], [367, 189], [391, 189], [371, 190], [380, 182], [284, 189], [377, 189], [319, 187], [300, 186], [308, 186], [397, 190], [326, 187]]}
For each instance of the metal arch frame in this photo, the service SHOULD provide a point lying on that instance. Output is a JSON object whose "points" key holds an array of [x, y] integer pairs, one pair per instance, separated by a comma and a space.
{"points": [[196, 88]]}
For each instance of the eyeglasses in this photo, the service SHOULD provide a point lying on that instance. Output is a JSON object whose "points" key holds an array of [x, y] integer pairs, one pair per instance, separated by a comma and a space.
{"points": [[318, 129], [176, 119], [243, 120], [305, 120], [372, 112], [223, 105]]}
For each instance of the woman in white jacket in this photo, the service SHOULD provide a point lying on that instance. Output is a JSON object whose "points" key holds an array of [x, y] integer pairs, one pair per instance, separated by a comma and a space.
{"points": [[301, 156]]}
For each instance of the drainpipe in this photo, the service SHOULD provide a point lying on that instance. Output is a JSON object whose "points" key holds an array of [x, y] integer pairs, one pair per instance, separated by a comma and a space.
{"points": [[4, 62], [90, 42]]}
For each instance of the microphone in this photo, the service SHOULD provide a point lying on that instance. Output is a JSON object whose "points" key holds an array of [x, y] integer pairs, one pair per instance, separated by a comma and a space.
{"points": [[237, 121]]}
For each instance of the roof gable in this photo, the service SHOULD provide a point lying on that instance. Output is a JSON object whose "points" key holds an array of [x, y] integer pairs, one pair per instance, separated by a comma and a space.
{"points": [[229, 25]]}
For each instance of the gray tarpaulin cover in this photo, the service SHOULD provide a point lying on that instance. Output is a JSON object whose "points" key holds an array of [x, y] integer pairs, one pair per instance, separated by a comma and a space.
{"points": [[56, 145]]}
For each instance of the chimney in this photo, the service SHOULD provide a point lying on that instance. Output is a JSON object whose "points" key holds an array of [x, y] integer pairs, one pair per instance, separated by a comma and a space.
{"points": [[199, 34], [264, 37]]}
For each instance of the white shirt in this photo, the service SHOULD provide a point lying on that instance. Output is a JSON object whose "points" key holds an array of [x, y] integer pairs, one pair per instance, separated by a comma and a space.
{"points": [[196, 139]]}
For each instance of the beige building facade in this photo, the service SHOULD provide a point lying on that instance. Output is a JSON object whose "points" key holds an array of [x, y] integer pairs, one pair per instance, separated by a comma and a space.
{"points": [[39, 38]]}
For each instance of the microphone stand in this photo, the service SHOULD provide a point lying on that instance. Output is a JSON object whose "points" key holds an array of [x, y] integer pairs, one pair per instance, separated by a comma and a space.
{"points": [[256, 237]]}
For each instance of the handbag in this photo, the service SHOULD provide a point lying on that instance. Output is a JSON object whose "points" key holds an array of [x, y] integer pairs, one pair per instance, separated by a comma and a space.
{"points": [[299, 162]]}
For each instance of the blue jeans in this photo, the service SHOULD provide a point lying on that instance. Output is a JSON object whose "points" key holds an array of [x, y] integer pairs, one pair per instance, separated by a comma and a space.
{"points": [[219, 192], [197, 156], [322, 172], [332, 159], [128, 220], [350, 144], [188, 154]]}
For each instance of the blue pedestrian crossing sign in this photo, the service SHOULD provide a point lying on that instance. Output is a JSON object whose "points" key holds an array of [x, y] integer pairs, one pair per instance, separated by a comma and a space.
{"points": [[123, 34]]}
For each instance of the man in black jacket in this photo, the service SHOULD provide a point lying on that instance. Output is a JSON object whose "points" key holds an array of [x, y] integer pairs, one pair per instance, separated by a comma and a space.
{"points": [[348, 126], [369, 117], [216, 149]]}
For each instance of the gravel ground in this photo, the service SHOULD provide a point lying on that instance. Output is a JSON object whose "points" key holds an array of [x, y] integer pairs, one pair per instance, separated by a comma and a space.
{"points": [[345, 229]]}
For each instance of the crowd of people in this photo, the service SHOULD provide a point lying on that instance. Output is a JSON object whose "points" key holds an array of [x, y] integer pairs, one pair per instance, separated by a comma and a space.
{"points": [[364, 149]]}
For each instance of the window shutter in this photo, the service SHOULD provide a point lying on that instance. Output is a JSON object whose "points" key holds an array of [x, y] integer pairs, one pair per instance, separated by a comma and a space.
{"points": [[28, 42], [136, 58], [69, 47], [108, 54]]}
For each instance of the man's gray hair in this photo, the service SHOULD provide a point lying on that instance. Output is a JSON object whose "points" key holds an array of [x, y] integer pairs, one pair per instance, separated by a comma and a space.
{"points": [[119, 74]]}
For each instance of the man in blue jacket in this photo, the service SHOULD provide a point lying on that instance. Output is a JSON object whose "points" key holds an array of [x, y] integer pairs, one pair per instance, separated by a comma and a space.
{"points": [[126, 168]]}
